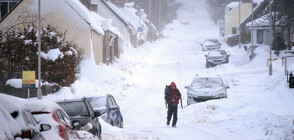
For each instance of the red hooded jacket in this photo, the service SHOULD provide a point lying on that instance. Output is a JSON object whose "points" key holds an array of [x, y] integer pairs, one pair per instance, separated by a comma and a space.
{"points": [[174, 95]]}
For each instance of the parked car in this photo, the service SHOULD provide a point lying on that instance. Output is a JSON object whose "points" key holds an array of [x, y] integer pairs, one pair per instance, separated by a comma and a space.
{"points": [[210, 44], [216, 57], [108, 108], [23, 118], [9, 127], [205, 88], [50, 113], [81, 114]]}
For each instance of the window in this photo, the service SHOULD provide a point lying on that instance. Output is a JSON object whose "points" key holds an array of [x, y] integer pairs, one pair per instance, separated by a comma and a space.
{"points": [[6, 6], [234, 30]]}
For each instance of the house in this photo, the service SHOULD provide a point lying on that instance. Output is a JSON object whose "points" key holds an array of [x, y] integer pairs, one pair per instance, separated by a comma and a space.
{"points": [[261, 30], [108, 10], [137, 19], [68, 16], [232, 16], [258, 11]]}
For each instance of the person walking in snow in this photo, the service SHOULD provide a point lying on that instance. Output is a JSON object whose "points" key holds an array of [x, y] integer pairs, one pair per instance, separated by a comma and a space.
{"points": [[172, 97]]}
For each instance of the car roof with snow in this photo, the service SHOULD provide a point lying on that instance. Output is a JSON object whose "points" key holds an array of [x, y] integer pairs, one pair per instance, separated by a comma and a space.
{"points": [[41, 105]]}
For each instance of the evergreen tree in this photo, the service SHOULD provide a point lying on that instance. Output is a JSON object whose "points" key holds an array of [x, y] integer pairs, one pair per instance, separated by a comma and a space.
{"points": [[19, 51], [279, 43]]}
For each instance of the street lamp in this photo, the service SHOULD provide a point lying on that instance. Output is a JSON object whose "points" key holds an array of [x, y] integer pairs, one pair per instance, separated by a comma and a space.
{"points": [[270, 52], [39, 91], [239, 24]]}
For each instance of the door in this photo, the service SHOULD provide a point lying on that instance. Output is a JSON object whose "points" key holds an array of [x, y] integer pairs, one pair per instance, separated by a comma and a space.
{"points": [[260, 37]]}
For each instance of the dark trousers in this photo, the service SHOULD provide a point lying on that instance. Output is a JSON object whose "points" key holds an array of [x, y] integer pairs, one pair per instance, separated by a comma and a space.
{"points": [[172, 111]]}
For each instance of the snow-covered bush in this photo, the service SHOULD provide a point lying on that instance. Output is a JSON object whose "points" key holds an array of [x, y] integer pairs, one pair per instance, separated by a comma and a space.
{"points": [[19, 51]]}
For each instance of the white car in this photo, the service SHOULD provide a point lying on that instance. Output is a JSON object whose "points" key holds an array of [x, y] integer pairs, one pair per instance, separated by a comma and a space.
{"points": [[205, 88], [210, 44]]}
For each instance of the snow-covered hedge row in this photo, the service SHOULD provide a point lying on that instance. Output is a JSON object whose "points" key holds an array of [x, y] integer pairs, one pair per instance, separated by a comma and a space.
{"points": [[19, 51]]}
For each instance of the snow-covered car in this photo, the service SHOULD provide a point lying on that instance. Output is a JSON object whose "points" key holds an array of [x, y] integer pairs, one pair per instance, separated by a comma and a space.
{"points": [[216, 57], [205, 88], [24, 121], [50, 113], [108, 108], [8, 130], [81, 114], [210, 44]]}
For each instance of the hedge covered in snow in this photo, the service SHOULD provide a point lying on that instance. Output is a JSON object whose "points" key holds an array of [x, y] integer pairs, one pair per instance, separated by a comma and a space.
{"points": [[19, 51]]}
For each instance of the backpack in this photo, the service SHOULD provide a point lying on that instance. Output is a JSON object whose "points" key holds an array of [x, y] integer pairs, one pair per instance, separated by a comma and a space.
{"points": [[166, 92]]}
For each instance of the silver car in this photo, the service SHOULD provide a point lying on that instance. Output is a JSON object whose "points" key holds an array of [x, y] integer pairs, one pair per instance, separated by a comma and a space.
{"points": [[210, 44], [205, 88]]}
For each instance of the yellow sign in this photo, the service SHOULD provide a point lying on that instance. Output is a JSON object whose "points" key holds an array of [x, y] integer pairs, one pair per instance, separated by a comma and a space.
{"points": [[28, 79]]}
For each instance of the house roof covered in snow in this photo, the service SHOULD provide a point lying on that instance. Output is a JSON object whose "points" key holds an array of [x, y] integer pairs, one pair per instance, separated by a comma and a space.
{"points": [[117, 11], [93, 20]]}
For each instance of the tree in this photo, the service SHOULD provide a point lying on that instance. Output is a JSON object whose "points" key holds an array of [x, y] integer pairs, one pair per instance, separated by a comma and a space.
{"points": [[287, 14], [279, 43], [19, 52]]}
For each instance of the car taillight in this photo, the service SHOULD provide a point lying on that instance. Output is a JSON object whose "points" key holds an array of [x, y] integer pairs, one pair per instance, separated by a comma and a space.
{"points": [[62, 132], [27, 134]]}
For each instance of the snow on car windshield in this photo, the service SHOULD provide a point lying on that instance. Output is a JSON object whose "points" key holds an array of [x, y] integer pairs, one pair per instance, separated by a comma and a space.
{"points": [[206, 82], [210, 42], [216, 53], [98, 102], [75, 108]]}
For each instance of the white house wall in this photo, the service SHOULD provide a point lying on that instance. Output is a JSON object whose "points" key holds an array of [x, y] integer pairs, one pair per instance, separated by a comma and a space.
{"points": [[57, 13]]}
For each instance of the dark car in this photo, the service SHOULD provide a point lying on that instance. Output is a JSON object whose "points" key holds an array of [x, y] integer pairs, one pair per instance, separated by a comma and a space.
{"points": [[216, 57], [81, 114], [108, 108], [23, 119]]}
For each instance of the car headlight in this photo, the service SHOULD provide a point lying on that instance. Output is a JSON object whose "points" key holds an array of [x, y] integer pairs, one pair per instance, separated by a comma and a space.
{"points": [[209, 60], [224, 60], [221, 94]]}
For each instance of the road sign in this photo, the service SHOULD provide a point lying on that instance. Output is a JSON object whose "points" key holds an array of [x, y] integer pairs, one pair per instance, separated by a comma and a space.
{"points": [[28, 79], [140, 29]]}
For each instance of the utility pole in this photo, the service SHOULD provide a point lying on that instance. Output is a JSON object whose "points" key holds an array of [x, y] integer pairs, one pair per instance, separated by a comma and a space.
{"points": [[239, 24], [271, 32], [149, 17], [39, 91], [251, 29], [159, 16]]}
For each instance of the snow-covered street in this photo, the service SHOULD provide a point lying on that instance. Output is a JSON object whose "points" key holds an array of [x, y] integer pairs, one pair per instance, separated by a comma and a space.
{"points": [[257, 107]]}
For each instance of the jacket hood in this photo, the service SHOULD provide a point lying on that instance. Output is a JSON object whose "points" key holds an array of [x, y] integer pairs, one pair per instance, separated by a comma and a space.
{"points": [[173, 84]]}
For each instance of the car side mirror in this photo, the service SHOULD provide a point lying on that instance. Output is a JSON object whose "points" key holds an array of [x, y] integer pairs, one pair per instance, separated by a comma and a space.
{"points": [[97, 114], [87, 127], [113, 107], [45, 127]]}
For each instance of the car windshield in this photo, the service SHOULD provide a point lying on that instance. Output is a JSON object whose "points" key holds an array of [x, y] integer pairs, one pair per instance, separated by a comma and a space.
{"points": [[77, 108], [217, 53], [98, 102], [206, 82], [210, 42]]}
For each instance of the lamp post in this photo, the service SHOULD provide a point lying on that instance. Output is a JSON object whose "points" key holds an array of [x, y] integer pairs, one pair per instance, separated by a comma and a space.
{"points": [[270, 52], [39, 91], [239, 24]]}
